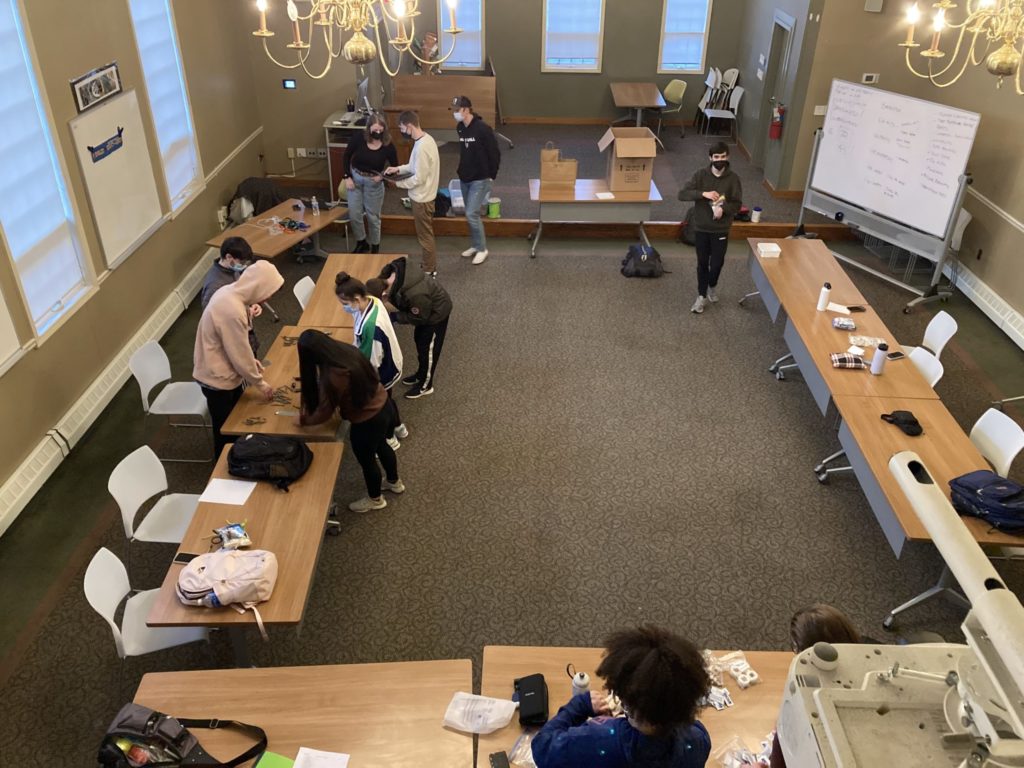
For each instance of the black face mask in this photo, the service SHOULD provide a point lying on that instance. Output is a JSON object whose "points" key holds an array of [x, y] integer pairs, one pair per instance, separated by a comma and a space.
{"points": [[376, 134], [720, 165]]}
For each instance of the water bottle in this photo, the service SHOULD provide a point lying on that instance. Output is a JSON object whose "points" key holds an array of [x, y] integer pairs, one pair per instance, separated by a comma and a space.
{"points": [[315, 206], [878, 361], [211, 601], [580, 683], [826, 289]]}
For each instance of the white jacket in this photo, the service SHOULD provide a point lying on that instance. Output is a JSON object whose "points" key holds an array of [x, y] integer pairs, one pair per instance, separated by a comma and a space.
{"points": [[425, 164]]}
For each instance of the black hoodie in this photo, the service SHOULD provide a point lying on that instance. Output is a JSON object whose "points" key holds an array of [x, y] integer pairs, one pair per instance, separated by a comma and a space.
{"points": [[479, 156], [419, 300]]}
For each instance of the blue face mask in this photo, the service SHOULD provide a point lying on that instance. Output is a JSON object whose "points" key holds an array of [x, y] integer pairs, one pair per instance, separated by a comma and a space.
{"points": [[352, 309], [238, 268]]}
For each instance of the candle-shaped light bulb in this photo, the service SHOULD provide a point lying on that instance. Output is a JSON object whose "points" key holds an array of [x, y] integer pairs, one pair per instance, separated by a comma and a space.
{"points": [[261, 6], [399, 7], [940, 20], [913, 15], [451, 12], [293, 14]]}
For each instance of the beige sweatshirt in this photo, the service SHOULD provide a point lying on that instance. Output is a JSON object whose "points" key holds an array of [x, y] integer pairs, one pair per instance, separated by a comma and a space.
{"points": [[425, 164], [223, 358]]}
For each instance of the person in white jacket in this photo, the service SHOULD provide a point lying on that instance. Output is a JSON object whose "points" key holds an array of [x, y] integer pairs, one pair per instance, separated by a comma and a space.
{"points": [[425, 167]]}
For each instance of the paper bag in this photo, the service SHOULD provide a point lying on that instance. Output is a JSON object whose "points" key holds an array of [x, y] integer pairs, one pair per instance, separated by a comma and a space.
{"points": [[554, 169]]}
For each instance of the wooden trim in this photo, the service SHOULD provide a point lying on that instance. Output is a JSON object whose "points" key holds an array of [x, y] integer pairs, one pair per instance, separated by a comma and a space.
{"points": [[743, 148], [537, 120], [783, 194], [287, 181]]}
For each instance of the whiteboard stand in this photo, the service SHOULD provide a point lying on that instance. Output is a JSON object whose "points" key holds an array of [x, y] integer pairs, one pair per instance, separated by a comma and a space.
{"points": [[863, 220]]}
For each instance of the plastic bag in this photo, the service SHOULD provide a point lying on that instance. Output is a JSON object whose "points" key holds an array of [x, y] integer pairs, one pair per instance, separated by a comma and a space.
{"points": [[478, 714], [734, 754], [521, 753]]}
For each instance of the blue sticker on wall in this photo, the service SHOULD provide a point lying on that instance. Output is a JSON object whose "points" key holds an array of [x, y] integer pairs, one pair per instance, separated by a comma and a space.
{"points": [[109, 146]]}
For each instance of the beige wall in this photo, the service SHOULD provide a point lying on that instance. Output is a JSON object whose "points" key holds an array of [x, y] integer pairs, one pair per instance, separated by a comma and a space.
{"points": [[41, 386]]}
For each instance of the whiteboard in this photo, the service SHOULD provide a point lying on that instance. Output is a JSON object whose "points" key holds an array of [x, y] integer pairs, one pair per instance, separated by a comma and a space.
{"points": [[894, 155], [114, 156]]}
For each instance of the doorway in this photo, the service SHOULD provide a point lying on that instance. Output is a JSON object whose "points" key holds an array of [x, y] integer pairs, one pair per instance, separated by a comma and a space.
{"points": [[768, 154]]}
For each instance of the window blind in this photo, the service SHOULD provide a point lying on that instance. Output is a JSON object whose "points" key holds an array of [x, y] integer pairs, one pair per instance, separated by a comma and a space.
{"points": [[684, 37], [469, 44], [572, 35]]}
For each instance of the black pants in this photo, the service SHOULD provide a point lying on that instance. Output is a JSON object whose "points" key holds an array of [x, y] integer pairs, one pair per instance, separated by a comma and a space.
{"points": [[711, 247], [220, 402], [369, 443], [429, 341], [396, 417]]}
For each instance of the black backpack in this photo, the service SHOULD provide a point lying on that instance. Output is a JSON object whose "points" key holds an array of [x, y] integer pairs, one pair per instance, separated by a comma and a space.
{"points": [[686, 230], [282, 460], [642, 261], [994, 499]]}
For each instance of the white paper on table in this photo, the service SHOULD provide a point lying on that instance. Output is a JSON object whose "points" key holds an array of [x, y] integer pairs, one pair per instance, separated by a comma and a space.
{"points": [[478, 714], [235, 492], [315, 758], [604, 195], [833, 307], [855, 350]]}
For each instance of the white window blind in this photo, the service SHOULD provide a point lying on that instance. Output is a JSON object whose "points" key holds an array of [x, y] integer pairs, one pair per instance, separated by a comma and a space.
{"points": [[684, 35], [35, 212], [469, 44], [573, 30], [168, 100]]}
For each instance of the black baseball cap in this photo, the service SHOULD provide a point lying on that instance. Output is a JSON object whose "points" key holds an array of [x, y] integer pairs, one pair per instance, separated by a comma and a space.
{"points": [[462, 102]]}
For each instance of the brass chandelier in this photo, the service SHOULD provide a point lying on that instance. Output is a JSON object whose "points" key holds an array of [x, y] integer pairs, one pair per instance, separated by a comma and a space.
{"points": [[329, 20], [989, 24]]}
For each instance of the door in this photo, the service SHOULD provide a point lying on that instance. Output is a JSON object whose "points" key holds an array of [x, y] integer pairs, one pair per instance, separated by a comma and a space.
{"points": [[768, 153]]}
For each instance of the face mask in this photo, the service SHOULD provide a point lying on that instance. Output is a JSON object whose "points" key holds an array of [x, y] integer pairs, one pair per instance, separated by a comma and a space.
{"points": [[457, 116], [720, 165], [403, 132], [376, 134], [352, 309], [238, 268]]}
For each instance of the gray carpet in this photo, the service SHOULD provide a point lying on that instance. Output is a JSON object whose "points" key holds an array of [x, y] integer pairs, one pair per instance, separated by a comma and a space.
{"points": [[593, 456]]}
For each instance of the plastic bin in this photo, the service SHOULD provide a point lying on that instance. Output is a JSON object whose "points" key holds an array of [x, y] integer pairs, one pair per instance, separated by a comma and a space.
{"points": [[455, 190]]}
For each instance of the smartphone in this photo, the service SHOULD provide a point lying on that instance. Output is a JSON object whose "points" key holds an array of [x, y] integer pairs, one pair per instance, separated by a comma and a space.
{"points": [[184, 557], [499, 760], [897, 355]]}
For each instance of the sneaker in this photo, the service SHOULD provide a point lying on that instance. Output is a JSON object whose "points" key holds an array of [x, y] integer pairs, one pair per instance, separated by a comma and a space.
{"points": [[361, 247], [366, 504], [396, 487], [431, 274], [480, 257], [698, 305], [411, 381], [712, 295], [401, 431], [468, 252], [418, 391], [393, 443]]}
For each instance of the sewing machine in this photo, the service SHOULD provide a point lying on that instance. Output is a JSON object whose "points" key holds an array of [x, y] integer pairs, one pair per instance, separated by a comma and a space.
{"points": [[917, 705]]}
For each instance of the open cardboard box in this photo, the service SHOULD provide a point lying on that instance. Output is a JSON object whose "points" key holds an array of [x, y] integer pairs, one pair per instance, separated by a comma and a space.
{"points": [[631, 159]]}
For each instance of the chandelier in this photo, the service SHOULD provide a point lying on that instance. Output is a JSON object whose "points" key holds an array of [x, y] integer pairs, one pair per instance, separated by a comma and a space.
{"points": [[989, 24], [329, 20]]}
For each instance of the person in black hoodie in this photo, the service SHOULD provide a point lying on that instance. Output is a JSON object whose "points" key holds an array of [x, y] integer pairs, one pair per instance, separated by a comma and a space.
{"points": [[717, 193], [479, 158], [424, 304]]}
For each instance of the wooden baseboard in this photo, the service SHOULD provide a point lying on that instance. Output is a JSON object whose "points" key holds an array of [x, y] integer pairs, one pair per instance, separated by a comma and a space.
{"points": [[743, 149], [783, 194], [529, 120]]}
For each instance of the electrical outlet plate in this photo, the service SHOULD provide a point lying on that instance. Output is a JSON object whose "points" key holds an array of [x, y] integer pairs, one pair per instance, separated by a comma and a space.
{"points": [[321, 152], [869, 78], [301, 151], [820, 109], [760, 74], [291, 153]]}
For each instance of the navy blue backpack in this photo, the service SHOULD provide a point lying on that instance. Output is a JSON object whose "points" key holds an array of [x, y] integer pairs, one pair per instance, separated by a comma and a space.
{"points": [[994, 499]]}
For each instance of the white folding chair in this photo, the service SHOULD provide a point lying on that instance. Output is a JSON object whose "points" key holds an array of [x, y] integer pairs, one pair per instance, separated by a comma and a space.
{"points": [[998, 438], [730, 114], [150, 367], [940, 330], [303, 290], [729, 78], [928, 364]]}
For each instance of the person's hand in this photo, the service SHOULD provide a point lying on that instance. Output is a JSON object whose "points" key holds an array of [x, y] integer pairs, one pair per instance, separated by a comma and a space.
{"points": [[599, 703], [297, 421], [267, 391], [256, 310], [349, 184], [377, 178], [716, 211], [391, 171], [712, 196]]}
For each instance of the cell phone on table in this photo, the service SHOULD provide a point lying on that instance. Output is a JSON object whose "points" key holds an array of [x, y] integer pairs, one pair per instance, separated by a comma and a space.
{"points": [[499, 760], [185, 557], [897, 355]]}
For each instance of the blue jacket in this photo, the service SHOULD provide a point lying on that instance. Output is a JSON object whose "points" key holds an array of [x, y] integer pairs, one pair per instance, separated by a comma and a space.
{"points": [[571, 740]]}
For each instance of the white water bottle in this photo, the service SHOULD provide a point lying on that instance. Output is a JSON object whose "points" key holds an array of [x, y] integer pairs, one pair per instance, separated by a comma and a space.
{"points": [[826, 289], [878, 361], [315, 206], [580, 683]]}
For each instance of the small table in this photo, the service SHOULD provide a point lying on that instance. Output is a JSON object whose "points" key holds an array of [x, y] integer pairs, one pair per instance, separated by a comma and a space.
{"points": [[638, 96], [268, 246], [383, 715], [281, 369], [324, 310], [580, 202]]}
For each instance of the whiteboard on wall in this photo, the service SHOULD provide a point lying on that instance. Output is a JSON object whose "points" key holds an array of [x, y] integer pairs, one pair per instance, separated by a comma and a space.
{"points": [[894, 155], [114, 156]]}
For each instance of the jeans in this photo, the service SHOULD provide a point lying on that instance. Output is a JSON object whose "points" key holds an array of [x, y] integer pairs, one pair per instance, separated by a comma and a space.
{"points": [[367, 197], [369, 443], [711, 247], [220, 402], [475, 195], [429, 341]]}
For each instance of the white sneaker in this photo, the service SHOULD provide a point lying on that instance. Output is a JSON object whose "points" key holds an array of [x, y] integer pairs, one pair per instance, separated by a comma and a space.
{"points": [[712, 295], [468, 252], [366, 504], [481, 257], [393, 443], [396, 487], [698, 305], [401, 431]]}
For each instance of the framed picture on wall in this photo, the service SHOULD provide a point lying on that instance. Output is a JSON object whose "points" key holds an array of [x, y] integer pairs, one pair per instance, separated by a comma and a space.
{"points": [[96, 86]]}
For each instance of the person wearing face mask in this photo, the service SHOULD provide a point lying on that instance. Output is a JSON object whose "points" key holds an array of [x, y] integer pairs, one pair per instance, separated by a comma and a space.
{"points": [[717, 194], [367, 155], [375, 337], [425, 167], [235, 256], [479, 159]]}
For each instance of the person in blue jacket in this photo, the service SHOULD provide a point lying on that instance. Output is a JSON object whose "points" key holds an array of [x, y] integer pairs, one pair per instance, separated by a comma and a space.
{"points": [[660, 679]]}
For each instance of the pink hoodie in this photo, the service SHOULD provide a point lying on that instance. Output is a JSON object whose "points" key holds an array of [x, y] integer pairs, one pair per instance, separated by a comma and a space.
{"points": [[223, 358]]}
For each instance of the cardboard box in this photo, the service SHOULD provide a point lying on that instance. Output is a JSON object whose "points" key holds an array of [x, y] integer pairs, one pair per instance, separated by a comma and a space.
{"points": [[630, 158]]}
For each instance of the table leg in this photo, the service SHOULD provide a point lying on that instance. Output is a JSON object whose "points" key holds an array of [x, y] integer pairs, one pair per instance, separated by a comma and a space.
{"points": [[319, 252], [536, 239], [639, 117], [240, 645]]}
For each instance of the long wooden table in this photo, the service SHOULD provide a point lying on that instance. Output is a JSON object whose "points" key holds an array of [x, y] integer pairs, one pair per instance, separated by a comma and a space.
{"points": [[268, 245], [752, 717], [281, 369], [383, 715], [638, 96], [324, 310]]}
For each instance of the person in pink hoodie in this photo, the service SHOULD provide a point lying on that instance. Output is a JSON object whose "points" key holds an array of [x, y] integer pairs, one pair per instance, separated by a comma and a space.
{"points": [[223, 360]]}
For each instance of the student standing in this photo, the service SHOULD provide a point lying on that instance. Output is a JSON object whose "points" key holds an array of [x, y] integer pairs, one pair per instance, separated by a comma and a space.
{"points": [[479, 159], [424, 304], [336, 377], [717, 194], [425, 167], [366, 157], [223, 359], [235, 256]]}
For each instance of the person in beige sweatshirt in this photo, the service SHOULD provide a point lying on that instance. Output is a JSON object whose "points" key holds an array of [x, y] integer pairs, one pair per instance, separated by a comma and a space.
{"points": [[223, 362], [425, 166]]}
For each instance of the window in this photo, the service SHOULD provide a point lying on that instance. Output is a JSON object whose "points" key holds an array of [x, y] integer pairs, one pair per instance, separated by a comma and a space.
{"points": [[35, 211], [168, 99], [573, 33], [684, 36], [469, 44]]}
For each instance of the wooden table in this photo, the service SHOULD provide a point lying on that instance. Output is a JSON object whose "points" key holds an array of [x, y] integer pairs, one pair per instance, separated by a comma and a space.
{"points": [[383, 715], [752, 717], [281, 369], [638, 96], [324, 310], [579, 202], [267, 245]]}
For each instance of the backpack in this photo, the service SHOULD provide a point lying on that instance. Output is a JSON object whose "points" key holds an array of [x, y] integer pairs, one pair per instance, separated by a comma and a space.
{"points": [[994, 499], [442, 203], [642, 261], [282, 460], [686, 231], [237, 578]]}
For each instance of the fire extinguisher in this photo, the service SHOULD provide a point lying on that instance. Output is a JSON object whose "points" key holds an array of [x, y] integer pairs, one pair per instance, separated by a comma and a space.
{"points": [[778, 117]]}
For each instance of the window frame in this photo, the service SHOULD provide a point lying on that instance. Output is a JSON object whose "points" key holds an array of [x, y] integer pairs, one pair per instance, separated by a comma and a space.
{"points": [[544, 67], [441, 16], [703, 50]]}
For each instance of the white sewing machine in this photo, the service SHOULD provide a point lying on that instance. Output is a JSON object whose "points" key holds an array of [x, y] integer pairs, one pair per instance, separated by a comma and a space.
{"points": [[917, 705]]}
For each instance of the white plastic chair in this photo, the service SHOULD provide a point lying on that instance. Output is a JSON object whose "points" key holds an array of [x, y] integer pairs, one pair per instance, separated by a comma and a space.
{"points": [[928, 364], [150, 367], [998, 438], [303, 290], [729, 78], [138, 477], [940, 330], [106, 585]]}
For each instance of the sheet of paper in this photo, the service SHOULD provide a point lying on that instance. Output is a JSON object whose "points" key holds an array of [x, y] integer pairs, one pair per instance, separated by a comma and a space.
{"points": [[221, 491], [855, 350], [315, 758], [604, 195], [833, 307]]}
